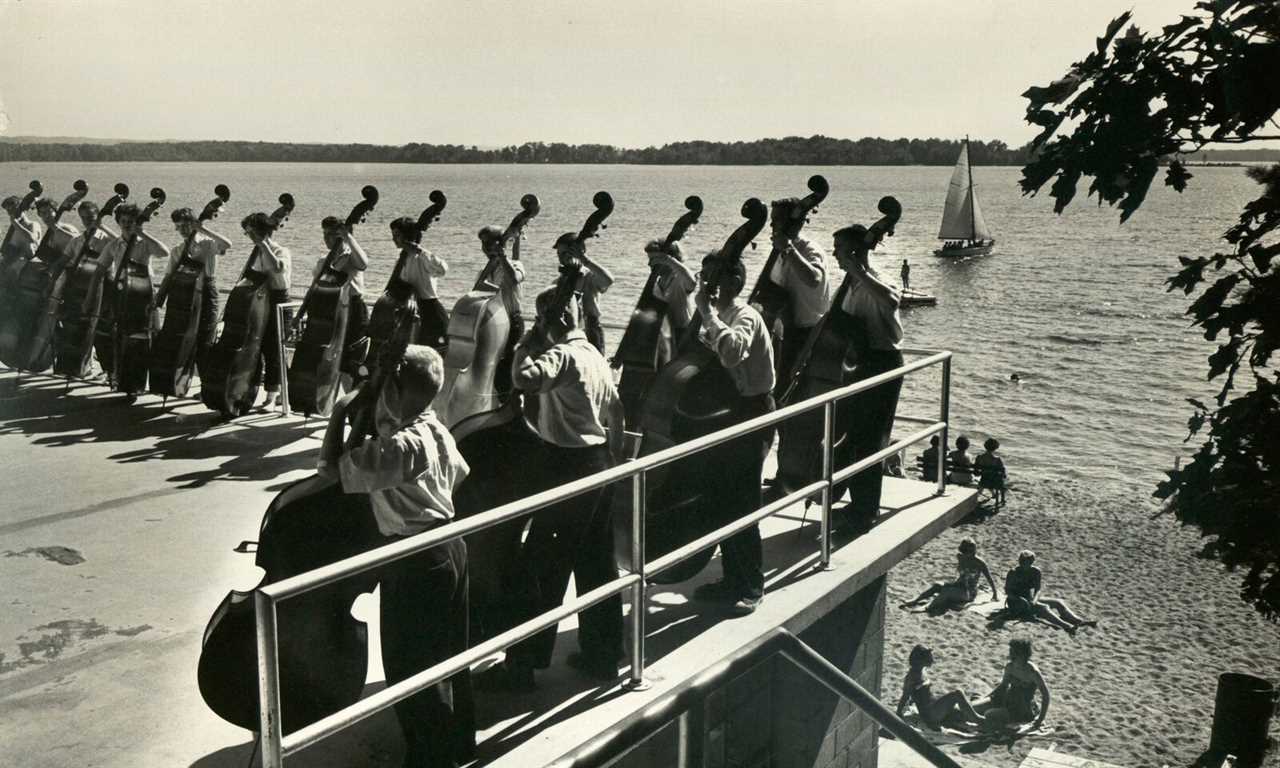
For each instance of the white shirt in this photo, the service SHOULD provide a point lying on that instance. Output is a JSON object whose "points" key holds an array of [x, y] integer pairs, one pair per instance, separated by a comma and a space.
{"points": [[575, 390], [509, 289], [101, 239], [410, 476], [421, 268], [679, 298], [276, 280], [741, 342], [344, 262], [204, 250], [879, 314], [61, 235], [808, 302], [144, 250]]}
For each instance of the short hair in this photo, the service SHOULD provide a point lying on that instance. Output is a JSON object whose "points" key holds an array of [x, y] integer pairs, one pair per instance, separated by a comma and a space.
{"points": [[991, 444], [786, 206], [1021, 646], [735, 267], [962, 442], [259, 223], [919, 655], [1026, 557], [331, 222], [180, 215], [490, 233], [566, 239], [89, 207], [407, 228], [127, 209], [566, 320], [656, 245], [44, 204], [855, 233], [933, 441], [423, 369], [968, 545], [11, 202]]}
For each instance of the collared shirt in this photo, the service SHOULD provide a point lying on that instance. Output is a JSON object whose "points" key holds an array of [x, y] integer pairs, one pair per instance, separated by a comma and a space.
{"points": [[878, 313], [277, 280], [593, 284], [101, 239], [509, 289], [204, 250], [808, 302], [738, 335], [678, 295], [410, 476], [144, 250], [421, 268], [575, 390], [346, 263]]}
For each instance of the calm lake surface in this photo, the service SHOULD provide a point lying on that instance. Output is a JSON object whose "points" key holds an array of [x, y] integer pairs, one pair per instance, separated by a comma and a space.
{"points": [[1075, 304]]}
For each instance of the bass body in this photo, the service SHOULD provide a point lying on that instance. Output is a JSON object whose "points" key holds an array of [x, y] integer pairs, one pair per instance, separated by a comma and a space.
{"points": [[322, 650], [132, 303], [80, 303]]}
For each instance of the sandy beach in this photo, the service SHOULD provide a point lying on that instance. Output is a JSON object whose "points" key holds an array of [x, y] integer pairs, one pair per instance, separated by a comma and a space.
{"points": [[1136, 691]]}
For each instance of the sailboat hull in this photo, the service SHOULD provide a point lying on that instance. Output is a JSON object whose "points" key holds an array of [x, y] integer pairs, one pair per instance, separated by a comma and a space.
{"points": [[973, 249]]}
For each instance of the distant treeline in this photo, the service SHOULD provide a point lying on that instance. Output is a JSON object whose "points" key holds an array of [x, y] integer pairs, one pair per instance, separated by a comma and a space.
{"points": [[792, 150]]}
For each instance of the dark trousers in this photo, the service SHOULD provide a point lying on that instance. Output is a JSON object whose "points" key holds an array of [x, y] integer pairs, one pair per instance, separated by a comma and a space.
{"points": [[207, 325], [866, 423], [788, 350], [594, 331], [433, 324], [424, 621], [575, 536], [734, 484], [269, 352]]}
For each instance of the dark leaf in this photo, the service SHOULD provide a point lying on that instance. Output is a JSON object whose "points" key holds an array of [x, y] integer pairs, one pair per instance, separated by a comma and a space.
{"points": [[1139, 182], [1211, 300], [1177, 176], [1262, 256], [1224, 358], [1112, 29]]}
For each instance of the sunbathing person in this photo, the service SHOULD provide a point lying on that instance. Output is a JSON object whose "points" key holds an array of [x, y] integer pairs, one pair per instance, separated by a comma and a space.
{"points": [[1012, 703], [956, 594], [1024, 601], [933, 711]]}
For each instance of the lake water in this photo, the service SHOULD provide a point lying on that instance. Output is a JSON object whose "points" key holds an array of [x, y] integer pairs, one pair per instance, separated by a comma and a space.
{"points": [[1075, 304]]}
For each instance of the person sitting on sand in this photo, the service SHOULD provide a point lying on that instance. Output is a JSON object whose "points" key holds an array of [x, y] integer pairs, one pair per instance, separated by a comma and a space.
{"points": [[991, 472], [933, 711], [956, 594], [1023, 599], [1012, 702], [961, 466]]}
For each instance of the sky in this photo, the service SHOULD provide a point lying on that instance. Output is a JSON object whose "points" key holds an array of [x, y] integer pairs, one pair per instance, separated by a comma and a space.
{"points": [[487, 73]]}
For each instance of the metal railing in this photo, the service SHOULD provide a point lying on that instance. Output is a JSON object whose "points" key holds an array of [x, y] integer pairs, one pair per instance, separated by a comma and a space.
{"points": [[276, 745], [683, 706]]}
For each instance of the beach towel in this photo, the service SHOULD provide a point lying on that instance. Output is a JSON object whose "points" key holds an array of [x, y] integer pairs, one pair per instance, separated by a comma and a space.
{"points": [[956, 736], [986, 609]]}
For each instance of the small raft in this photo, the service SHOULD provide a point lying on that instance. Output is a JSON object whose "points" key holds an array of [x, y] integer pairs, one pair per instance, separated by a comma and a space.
{"points": [[913, 298]]}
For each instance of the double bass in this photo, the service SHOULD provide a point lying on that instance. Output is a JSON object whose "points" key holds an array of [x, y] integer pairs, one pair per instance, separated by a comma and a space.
{"points": [[823, 364], [773, 300], [173, 352], [78, 314], [479, 334], [26, 324], [230, 385], [317, 358], [14, 258], [132, 304], [646, 345], [687, 400]]}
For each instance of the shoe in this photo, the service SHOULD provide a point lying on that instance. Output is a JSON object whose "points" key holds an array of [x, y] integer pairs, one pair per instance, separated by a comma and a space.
{"points": [[714, 591], [129, 399], [596, 669], [270, 401], [745, 605]]}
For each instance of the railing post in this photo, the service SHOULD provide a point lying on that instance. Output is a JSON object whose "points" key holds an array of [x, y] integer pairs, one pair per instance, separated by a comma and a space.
{"points": [[828, 461], [284, 363], [269, 726], [944, 415], [639, 600]]}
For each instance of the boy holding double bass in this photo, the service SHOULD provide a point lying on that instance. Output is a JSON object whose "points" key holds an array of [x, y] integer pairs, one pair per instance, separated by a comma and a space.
{"points": [[276, 263], [801, 270], [104, 294], [410, 470], [736, 332], [206, 246], [597, 279]]}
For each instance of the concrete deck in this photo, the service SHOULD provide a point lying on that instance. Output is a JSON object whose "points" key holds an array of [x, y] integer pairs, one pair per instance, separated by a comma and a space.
{"points": [[117, 531]]}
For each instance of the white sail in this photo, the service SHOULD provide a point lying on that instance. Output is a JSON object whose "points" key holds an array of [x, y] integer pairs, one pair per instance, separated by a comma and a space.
{"points": [[962, 216]]}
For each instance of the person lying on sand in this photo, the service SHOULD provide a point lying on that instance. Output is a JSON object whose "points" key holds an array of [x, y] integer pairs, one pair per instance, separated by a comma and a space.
{"points": [[956, 594], [1012, 703], [933, 711], [1024, 601]]}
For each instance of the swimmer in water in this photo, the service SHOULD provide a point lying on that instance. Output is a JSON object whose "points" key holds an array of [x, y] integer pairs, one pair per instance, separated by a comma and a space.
{"points": [[1015, 378]]}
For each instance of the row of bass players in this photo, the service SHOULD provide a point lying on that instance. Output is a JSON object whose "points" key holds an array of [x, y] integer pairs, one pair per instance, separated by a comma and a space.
{"points": [[414, 472]]}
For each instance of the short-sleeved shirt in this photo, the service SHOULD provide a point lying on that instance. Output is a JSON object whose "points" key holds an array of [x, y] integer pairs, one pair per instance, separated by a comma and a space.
{"points": [[144, 250], [507, 288], [344, 262], [276, 280], [739, 338], [678, 296], [421, 269], [101, 239], [575, 391], [878, 313], [204, 250], [21, 242], [808, 302], [409, 475], [593, 284]]}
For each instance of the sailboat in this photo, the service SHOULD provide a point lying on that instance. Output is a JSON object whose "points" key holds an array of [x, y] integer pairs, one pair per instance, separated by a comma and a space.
{"points": [[963, 229]]}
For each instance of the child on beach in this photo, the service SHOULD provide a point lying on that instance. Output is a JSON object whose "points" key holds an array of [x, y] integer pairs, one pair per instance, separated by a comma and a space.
{"points": [[1012, 703], [933, 711], [990, 469], [956, 594], [1023, 599]]}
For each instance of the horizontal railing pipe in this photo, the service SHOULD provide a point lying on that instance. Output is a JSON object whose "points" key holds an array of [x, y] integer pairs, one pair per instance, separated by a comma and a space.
{"points": [[884, 453]]}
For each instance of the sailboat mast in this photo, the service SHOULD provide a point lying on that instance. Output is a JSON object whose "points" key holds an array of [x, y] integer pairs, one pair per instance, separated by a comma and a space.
{"points": [[973, 216]]}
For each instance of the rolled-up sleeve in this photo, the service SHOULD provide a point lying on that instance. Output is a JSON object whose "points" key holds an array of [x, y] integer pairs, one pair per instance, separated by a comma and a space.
{"points": [[541, 373], [732, 343], [377, 465]]}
